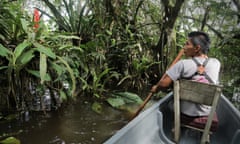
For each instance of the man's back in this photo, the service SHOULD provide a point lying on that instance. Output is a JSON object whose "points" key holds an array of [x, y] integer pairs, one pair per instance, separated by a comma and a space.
{"points": [[186, 69]]}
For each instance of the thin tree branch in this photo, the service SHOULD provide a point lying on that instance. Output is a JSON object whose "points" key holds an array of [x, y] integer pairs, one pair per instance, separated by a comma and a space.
{"points": [[204, 21], [209, 26], [237, 4]]}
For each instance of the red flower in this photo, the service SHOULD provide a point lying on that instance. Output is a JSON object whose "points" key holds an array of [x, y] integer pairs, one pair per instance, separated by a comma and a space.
{"points": [[36, 19]]}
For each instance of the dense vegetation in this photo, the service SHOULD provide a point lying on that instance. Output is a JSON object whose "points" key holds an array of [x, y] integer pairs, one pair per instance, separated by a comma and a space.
{"points": [[95, 47]]}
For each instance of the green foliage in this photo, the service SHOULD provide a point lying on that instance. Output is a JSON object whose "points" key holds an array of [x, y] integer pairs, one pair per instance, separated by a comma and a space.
{"points": [[100, 43], [10, 140], [119, 99], [43, 49], [18, 57], [76, 19], [98, 81], [17, 60], [11, 24], [229, 55], [71, 75], [230, 52], [29, 55], [136, 73]]}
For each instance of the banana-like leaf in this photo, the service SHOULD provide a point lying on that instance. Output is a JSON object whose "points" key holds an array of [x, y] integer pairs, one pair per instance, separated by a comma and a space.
{"points": [[34, 72], [4, 52], [19, 50], [123, 98], [43, 67], [116, 102], [44, 50], [129, 97], [26, 57], [24, 25]]}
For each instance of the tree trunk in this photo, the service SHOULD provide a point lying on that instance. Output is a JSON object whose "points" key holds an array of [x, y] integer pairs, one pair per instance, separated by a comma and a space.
{"points": [[169, 19]]}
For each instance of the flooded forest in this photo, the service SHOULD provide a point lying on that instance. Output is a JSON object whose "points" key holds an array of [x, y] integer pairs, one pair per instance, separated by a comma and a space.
{"points": [[76, 71]]}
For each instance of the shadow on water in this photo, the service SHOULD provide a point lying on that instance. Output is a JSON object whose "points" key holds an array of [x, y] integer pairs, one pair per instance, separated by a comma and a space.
{"points": [[76, 124]]}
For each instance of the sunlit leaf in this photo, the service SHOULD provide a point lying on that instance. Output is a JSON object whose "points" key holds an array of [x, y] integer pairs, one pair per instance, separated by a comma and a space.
{"points": [[20, 48], [10, 140], [68, 37], [109, 32], [124, 100], [43, 67], [44, 50], [130, 97], [24, 25], [115, 102], [26, 57], [4, 51]]}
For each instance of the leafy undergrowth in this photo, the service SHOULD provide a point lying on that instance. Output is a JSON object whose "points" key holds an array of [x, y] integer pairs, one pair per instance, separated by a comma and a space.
{"points": [[124, 100]]}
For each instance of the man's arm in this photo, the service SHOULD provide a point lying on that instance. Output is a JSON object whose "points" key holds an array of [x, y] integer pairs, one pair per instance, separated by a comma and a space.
{"points": [[165, 82]]}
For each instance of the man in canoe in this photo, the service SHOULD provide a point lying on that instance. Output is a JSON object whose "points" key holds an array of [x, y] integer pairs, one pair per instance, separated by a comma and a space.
{"points": [[195, 50]]}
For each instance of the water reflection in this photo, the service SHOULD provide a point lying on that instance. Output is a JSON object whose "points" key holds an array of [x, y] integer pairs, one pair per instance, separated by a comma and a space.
{"points": [[76, 124]]}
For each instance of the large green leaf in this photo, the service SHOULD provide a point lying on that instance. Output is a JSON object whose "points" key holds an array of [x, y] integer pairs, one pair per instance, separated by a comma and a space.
{"points": [[116, 102], [24, 24], [129, 97], [19, 50], [26, 57], [44, 50], [123, 98], [10, 140], [4, 51]]}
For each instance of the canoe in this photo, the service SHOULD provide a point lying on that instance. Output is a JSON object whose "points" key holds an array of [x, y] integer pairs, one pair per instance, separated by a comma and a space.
{"points": [[153, 126]]}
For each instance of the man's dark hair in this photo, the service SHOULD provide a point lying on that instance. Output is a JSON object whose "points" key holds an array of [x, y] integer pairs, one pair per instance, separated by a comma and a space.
{"points": [[202, 39]]}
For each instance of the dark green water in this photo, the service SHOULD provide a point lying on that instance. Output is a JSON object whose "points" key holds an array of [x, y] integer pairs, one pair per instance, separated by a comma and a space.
{"points": [[76, 124]]}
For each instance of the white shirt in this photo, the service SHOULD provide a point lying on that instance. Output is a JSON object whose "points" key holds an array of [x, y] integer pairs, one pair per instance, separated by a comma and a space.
{"points": [[186, 68]]}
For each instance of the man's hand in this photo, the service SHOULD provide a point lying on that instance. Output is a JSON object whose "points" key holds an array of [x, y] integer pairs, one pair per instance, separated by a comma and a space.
{"points": [[154, 89]]}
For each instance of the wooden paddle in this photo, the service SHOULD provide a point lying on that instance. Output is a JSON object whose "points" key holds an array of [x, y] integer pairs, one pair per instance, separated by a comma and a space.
{"points": [[151, 94]]}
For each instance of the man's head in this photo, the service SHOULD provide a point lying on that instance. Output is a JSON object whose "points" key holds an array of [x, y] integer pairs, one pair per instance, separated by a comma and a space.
{"points": [[200, 39]]}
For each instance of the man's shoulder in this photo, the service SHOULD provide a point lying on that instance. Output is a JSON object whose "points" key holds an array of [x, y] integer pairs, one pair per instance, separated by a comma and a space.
{"points": [[188, 60], [214, 60]]}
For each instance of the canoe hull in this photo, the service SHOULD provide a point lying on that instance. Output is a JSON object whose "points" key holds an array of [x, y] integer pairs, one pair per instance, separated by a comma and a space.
{"points": [[153, 126]]}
